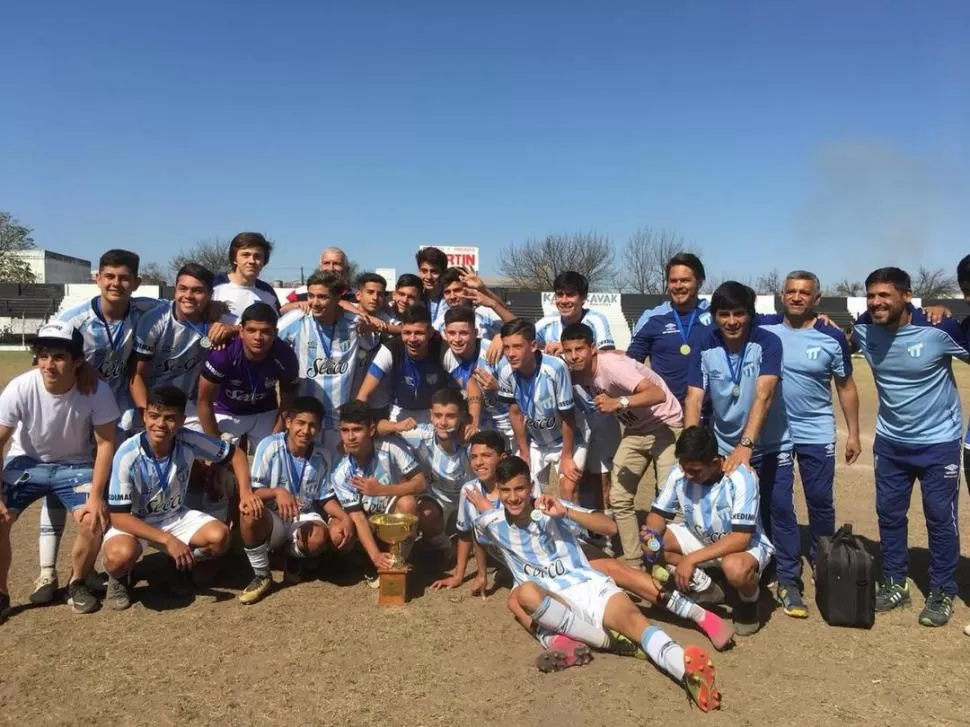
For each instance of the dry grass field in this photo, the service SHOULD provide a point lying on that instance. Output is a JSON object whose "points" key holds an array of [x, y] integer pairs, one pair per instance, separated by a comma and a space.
{"points": [[324, 653]]}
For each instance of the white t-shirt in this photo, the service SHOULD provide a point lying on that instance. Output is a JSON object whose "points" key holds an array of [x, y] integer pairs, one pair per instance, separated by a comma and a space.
{"points": [[240, 297], [54, 427]]}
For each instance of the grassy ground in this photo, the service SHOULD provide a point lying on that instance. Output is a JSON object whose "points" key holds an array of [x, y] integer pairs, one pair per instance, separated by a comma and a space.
{"points": [[324, 653]]}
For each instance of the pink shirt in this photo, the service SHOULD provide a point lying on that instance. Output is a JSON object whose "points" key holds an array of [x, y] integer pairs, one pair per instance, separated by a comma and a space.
{"points": [[617, 375]]}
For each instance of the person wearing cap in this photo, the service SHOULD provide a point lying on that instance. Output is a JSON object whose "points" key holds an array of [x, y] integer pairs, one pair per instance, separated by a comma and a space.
{"points": [[48, 423]]}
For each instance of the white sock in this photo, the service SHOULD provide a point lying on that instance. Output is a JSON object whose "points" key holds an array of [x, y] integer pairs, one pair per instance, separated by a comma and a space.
{"points": [[259, 558], [681, 605], [663, 651], [53, 515], [699, 582], [560, 618], [200, 555]]}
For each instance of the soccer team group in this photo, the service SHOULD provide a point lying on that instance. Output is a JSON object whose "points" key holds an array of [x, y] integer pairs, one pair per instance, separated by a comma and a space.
{"points": [[169, 423]]}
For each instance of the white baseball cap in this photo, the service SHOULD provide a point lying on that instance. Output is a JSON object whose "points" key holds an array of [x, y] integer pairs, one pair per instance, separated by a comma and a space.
{"points": [[61, 335]]}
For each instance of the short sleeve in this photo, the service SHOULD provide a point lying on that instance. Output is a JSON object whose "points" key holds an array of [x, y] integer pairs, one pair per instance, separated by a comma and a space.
{"points": [[205, 447], [665, 503], [465, 519], [417, 437], [11, 412], [381, 364], [403, 460], [842, 360], [214, 369], [604, 336], [564, 389], [506, 385], [104, 408], [349, 497], [120, 486], [745, 500], [261, 468], [771, 355]]}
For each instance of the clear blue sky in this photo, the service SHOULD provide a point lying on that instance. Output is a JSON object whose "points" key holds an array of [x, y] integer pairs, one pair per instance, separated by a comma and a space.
{"points": [[828, 135]]}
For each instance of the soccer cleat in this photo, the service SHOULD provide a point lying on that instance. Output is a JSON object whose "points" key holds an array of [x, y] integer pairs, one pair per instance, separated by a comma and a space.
{"points": [[746, 619], [891, 594], [45, 590], [563, 653], [116, 595], [792, 603], [938, 609], [80, 598], [293, 569], [622, 646], [96, 582], [258, 587], [698, 679]]}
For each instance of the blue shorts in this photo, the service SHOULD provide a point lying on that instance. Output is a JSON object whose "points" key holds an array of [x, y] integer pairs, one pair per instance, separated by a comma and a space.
{"points": [[25, 480]]}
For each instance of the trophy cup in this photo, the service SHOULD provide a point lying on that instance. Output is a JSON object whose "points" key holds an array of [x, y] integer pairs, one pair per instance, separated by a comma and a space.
{"points": [[393, 529]]}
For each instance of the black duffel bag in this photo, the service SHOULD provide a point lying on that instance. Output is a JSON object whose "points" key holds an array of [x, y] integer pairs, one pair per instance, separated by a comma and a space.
{"points": [[845, 580]]}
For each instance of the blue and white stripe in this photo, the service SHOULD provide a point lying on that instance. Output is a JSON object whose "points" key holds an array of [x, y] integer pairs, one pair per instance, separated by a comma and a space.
{"points": [[274, 466]]}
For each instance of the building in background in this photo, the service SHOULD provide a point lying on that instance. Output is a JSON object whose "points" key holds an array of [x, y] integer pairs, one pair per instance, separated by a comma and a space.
{"points": [[54, 267]]}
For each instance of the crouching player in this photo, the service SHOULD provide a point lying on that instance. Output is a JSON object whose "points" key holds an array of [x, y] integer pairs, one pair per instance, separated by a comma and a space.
{"points": [[146, 497], [292, 478], [722, 525], [561, 591]]}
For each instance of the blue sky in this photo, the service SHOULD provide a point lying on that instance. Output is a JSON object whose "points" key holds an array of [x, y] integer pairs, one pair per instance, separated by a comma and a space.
{"points": [[825, 135]]}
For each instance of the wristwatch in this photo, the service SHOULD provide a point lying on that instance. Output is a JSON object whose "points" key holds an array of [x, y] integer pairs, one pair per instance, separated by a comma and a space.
{"points": [[746, 442], [624, 402]]}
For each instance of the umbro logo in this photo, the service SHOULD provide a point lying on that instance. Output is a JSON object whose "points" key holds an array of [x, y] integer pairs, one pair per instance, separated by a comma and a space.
{"points": [[829, 449], [951, 471], [670, 328], [784, 459]]}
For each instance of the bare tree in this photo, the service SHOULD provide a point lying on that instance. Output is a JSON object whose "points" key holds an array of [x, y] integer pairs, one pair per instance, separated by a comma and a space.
{"points": [[212, 254], [534, 264], [934, 284], [770, 283], [14, 236], [713, 283], [152, 274], [846, 288], [645, 257]]}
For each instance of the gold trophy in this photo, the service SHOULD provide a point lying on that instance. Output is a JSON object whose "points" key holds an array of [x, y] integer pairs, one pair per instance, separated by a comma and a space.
{"points": [[393, 529]]}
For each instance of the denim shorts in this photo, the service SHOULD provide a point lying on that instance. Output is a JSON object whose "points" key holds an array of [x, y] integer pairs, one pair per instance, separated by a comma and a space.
{"points": [[25, 480]]}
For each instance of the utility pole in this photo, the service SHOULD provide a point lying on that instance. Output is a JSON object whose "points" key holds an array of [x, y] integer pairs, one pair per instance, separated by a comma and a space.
{"points": [[302, 281]]}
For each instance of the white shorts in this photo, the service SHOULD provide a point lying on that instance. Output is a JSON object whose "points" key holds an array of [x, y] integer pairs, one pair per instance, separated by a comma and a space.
{"points": [[541, 460], [420, 416], [182, 525], [588, 600], [255, 426], [689, 543], [604, 439], [286, 532]]}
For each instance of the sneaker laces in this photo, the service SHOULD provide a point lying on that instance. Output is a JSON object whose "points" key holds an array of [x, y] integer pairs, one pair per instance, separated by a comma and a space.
{"points": [[939, 601]]}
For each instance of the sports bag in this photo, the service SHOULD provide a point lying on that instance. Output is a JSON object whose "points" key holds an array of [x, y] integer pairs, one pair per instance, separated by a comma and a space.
{"points": [[845, 582]]}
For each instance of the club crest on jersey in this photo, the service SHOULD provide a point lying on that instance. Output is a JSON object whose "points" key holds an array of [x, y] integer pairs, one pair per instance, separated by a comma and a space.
{"points": [[705, 319], [431, 378], [813, 351], [915, 350]]}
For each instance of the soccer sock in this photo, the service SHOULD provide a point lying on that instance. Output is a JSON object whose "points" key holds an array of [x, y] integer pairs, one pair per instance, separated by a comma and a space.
{"points": [[543, 635], [710, 623], [663, 651], [699, 582], [52, 519], [200, 555], [259, 559], [753, 598], [560, 618]]}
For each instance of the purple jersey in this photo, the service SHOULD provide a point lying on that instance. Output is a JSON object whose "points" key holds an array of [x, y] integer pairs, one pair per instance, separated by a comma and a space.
{"points": [[249, 387]]}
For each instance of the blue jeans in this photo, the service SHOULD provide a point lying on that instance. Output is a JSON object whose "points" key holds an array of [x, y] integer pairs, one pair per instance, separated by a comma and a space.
{"points": [[25, 480]]}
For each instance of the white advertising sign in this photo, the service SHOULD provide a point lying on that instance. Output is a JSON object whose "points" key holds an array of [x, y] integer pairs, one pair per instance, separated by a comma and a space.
{"points": [[459, 256]]}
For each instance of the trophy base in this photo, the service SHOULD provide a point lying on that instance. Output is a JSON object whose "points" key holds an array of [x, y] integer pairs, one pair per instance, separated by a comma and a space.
{"points": [[393, 589]]}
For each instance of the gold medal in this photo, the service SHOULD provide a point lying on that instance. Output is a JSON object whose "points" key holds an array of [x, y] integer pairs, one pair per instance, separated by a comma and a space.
{"points": [[685, 349]]}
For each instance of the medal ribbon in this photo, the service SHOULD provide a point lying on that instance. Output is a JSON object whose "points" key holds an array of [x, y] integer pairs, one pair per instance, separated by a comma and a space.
{"points": [[680, 324], [736, 375], [296, 481], [162, 473], [524, 396], [114, 340]]}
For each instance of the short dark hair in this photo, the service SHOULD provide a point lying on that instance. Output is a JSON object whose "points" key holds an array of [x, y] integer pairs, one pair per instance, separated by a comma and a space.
{"points": [[409, 280], [249, 239], [460, 314], [963, 270], [696, 444], [433, 256], [896, 277], [357, 412], [306, 405], [578, 332], [510, 468], [489, 438], [519, 327], [571, 280], [451, 275], [120, 259], [450, 396], [260, 312], [365, 278], [167, 397], [733, 295], [331, 281], [417, 313], [688, 260], [199, 272]]}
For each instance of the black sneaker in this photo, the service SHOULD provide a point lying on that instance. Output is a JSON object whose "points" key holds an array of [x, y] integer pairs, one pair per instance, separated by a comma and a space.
{"points": [[80, 598], [4, 606], [45, 590], [97, 582], [293, 570], [745, 618], [938, 609], [891, 594]]}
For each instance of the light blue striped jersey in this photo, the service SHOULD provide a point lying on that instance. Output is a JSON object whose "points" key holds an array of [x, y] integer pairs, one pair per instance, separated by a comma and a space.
{"points": [[812, 356], [715, 370], [495, 414], [148, 491], [306, 478], [444, 471], [468, 513], [328, 356], [549, 328], [108, 346], [487, 323], [173, 348], [547, 552], [912, 367], [703, 305], [391, 463], [541, 397], [730, 505]]}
